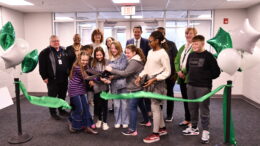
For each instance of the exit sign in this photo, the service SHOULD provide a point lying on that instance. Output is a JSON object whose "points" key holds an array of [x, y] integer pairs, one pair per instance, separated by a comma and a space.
{"points": [[128, 10]]}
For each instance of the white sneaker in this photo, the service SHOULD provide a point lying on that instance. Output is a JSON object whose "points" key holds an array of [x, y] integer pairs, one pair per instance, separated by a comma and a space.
{"points": [[125, 125], [98, 124], [117, 125], [191, 131], [205, 137], [105, 126]]}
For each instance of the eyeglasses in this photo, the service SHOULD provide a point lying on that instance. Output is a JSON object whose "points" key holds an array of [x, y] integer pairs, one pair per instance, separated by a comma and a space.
{"points": [[55, 40]]}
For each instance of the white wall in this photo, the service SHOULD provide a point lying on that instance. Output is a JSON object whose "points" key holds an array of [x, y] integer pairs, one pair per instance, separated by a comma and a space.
{"points": [[251, 80], [236, 18], [7, 76], [38, 29]]}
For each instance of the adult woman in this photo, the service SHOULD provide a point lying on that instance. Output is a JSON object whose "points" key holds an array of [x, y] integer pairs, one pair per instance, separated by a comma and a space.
{"points": [[136, 61], [180, 66], [118, 84], [109, 41], [97, 38]]}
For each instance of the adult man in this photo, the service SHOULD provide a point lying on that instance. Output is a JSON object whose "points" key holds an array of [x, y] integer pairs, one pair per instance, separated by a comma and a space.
{"points": [[54, 70], [74, 50], [170, 81], [138, 41]]}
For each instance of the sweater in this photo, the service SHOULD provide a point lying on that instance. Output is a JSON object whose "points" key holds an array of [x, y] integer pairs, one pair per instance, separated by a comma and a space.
{"points": [[157, 65], [202, 68], [76, 83], [134, 67]]}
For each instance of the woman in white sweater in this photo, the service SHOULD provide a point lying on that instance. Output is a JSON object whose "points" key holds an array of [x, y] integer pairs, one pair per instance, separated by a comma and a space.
{"points": [[157, 69]]}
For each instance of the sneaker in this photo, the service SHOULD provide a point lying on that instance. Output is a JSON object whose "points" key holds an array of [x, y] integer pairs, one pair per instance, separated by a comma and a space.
{"points": [[191, 131], [93, 126], [98, 124], [169, 119], [90, 131], [64, 113], [162, 131], [184, 123], [130, 132], [55, 117], [105, 126], [146, 124], [152, 138], [205, 137], [117, 125], [125, 125]]}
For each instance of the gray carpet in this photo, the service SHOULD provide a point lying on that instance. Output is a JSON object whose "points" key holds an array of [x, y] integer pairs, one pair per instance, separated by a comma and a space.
{"points": [[48, 132]]}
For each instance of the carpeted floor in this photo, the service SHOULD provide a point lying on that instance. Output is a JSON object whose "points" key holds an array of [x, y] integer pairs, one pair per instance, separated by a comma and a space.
{"points": [[48, 132]]}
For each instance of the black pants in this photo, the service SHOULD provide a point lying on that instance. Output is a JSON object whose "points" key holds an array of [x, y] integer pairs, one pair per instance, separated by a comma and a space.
{"points": [[57, 89], [183, 87], [100, 107], [170, 104]]}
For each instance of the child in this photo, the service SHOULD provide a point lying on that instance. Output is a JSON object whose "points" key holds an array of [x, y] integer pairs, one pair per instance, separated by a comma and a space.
{"points": [[157, 68], [202, 68], [118, 85], [136, 61], [99, 85], [80, 117]]}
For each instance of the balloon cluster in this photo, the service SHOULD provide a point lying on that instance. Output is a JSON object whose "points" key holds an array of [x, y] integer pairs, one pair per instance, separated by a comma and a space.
{"points": [[16, 50], [237, 51]]}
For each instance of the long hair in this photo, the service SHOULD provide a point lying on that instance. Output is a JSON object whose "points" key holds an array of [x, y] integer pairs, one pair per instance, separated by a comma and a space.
{"points": [[103, 62], [138, 51], [118, 47], [78, 63], [157, 35], [113, 39]]}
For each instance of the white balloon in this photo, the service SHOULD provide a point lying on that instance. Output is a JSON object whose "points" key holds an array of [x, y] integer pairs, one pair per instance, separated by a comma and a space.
{"points": [[229, 60], [250, 60], [16, 53], [245, 38]]}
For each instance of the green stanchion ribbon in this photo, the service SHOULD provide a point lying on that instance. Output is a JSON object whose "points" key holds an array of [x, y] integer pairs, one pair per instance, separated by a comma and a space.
{"points": [[232, 139], [7, 36], [143, 94], [45, 101]]}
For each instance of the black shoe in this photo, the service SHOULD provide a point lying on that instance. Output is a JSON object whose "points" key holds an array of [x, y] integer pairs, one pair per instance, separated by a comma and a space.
{"points": [[64, 113], [55, 117], [111, 110]]}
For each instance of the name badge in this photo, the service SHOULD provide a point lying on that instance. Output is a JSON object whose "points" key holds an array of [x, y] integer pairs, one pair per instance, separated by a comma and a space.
{"points": [[60, 62]]}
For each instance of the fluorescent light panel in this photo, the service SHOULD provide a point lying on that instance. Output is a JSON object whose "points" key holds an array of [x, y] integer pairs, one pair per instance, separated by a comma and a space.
{"points": [[126, 1], [16, 2], [64, 18]]}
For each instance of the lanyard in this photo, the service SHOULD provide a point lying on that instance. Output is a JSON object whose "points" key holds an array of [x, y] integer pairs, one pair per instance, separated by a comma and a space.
{"points": [[185, 53]]}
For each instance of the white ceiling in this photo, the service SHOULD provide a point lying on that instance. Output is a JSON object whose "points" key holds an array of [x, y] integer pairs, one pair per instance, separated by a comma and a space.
{"points": [[108, 5]]}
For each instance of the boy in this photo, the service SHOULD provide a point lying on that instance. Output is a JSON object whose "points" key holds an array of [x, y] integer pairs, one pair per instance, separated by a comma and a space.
{"points": [[202, 68]]}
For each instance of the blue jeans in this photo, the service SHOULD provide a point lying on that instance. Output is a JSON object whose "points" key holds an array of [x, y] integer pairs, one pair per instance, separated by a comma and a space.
{"points": [[120, 109], [80, 116], [133, 103]]}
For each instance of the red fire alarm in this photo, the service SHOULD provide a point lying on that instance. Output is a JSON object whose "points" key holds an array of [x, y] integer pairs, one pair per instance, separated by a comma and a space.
{"points": [[225, 21]]}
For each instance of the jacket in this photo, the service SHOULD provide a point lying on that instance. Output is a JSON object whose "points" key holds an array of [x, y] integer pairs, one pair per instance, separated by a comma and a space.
{"points": [[131, 72], [144, 45]]}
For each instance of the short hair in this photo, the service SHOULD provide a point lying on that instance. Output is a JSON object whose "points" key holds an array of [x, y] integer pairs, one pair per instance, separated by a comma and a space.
{"points": [[138, 26], [53, 36], [188, 29], [161, 29], [86, 47], [97, 32], [197, 38]]}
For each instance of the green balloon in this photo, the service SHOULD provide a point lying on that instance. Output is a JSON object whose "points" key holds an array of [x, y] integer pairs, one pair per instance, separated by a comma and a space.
{"points": [[30, 61], [221, 41], [7, 36]]}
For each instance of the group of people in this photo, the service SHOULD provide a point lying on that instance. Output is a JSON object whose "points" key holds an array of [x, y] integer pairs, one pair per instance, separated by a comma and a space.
{"points": [[152, 65]]}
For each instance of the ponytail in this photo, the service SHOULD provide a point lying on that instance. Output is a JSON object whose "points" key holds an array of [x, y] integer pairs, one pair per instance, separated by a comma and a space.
{"points": [[165, 45], [138, 51]]}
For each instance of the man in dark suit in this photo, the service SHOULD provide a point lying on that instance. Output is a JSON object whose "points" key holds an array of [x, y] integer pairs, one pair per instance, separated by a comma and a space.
{"points": [[170, 81], [138, 41]]}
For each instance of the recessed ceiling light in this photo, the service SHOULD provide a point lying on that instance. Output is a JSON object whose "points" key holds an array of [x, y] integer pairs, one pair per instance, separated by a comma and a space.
{"points": [[126, 1], [16, 2]]}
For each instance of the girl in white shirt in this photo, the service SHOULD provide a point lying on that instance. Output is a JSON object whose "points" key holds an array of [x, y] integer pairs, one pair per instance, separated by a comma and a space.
{"points": [[157, 69]]}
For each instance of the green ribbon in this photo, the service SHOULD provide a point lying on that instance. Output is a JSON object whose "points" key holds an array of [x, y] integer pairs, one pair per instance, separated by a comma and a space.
{"points": [[45, 101], [232, 139], [142, 94], [30, 61], [7, 36]]}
